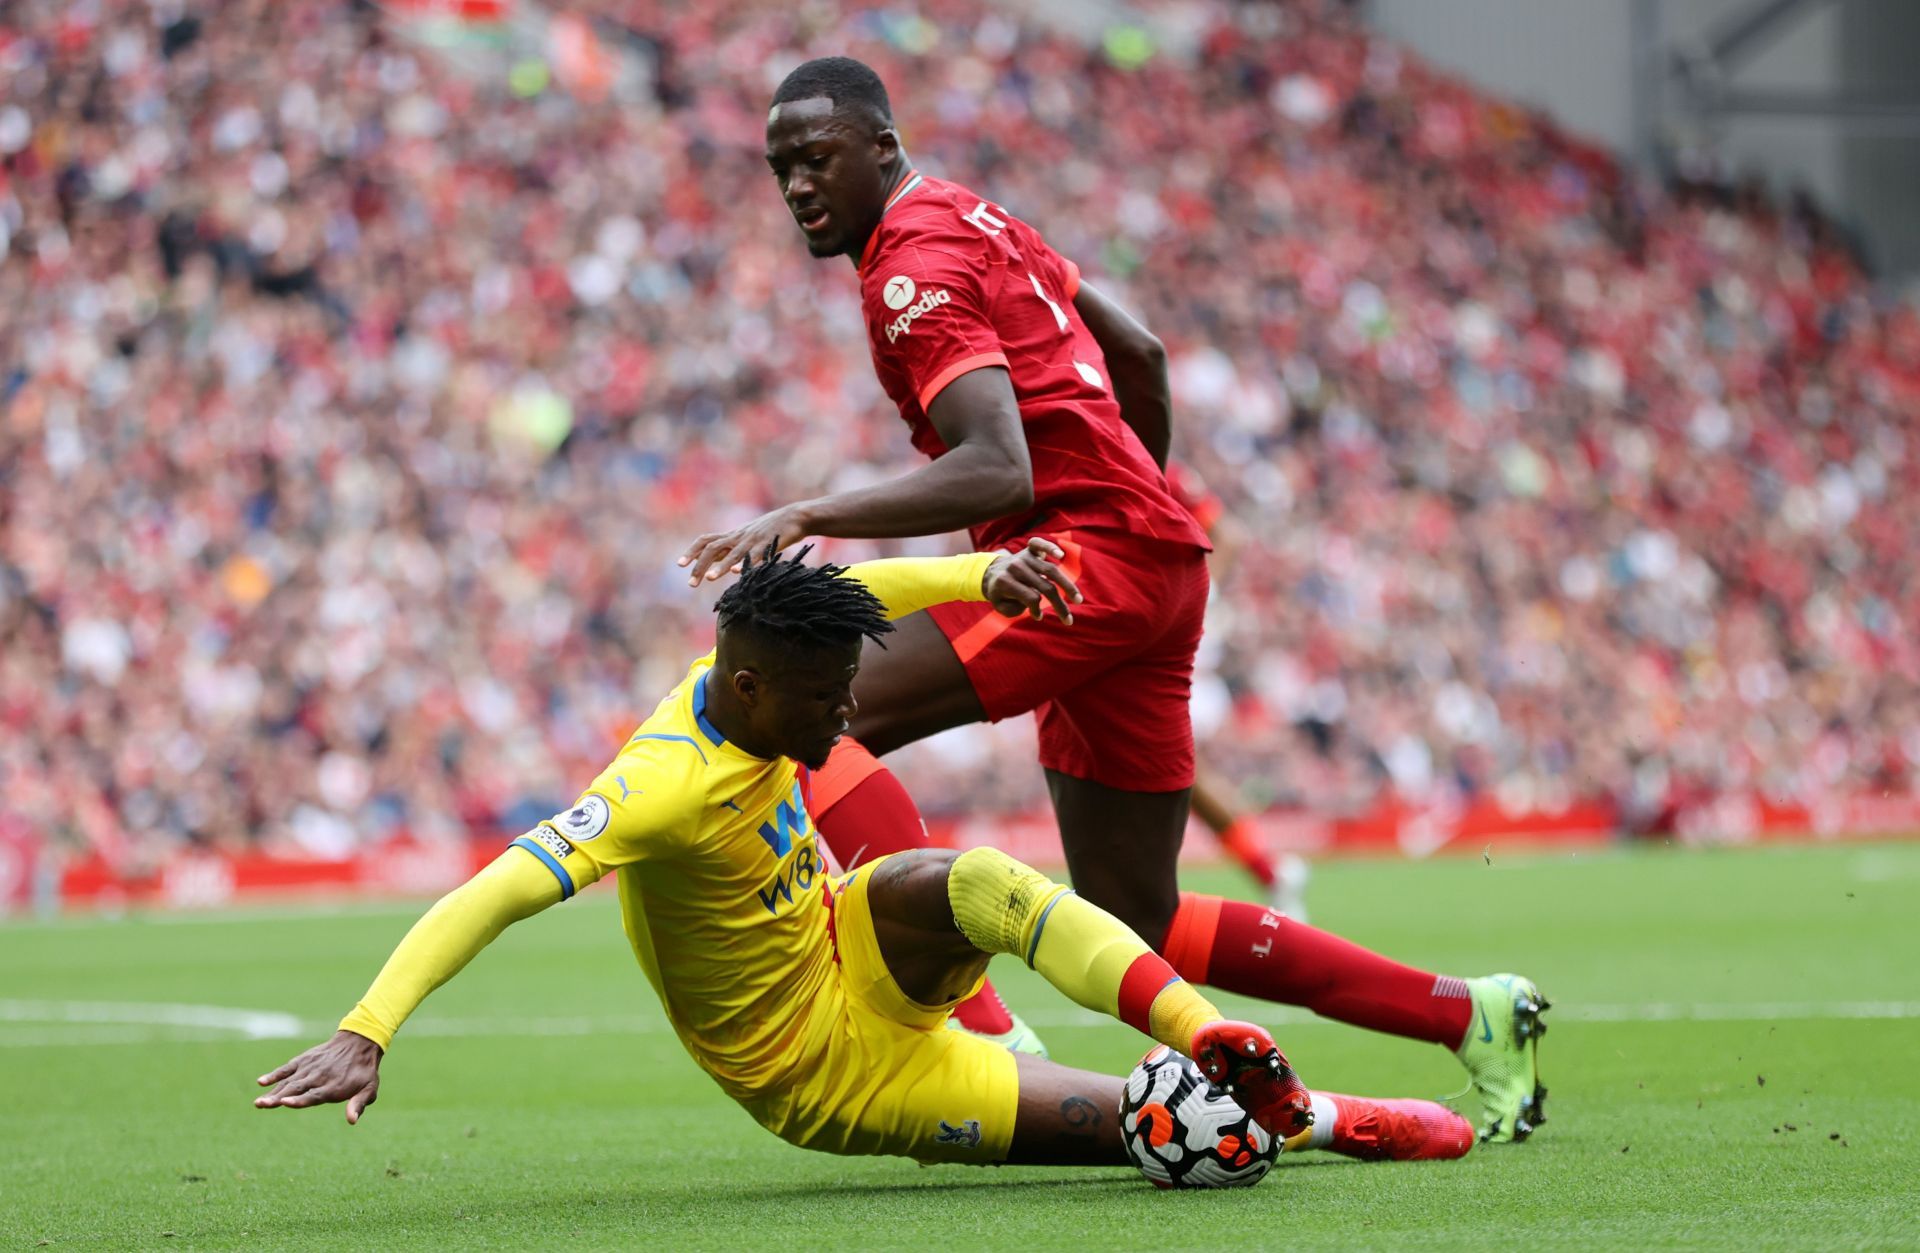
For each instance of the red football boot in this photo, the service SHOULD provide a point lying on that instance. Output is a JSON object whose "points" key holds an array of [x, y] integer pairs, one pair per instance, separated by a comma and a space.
{"points": [[1242, 1058], [1397, 1131]]}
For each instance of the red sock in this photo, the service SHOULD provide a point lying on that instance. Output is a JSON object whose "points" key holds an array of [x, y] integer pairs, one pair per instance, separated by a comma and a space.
{"points": [[1243, 844], [881, 817], [862, 812], [1241, 947]]}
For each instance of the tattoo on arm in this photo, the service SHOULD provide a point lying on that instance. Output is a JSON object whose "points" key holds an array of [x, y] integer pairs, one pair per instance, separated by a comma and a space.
{"points": [[1080, 1114]]}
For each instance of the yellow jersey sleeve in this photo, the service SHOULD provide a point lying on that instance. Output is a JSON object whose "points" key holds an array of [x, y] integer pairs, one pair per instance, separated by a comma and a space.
{"points": [[646, 805], [909, 584], [463, 922]]}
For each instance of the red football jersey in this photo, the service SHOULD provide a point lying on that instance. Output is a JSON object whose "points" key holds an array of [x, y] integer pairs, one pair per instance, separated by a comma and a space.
{"points": [[951, 283]]}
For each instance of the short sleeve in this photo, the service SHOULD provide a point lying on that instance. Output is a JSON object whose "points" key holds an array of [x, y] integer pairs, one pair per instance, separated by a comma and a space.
{"points": [[643, 807], [929, 313], [1060, 273]]}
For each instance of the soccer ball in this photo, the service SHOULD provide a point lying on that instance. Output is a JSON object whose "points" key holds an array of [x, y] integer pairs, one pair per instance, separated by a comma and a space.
{"points": [[1182, 1132]]}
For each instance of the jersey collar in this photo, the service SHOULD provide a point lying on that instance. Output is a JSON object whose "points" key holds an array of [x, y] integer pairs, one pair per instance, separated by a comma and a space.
{"points": [[900, 193], [903, 191], [700, 710]]}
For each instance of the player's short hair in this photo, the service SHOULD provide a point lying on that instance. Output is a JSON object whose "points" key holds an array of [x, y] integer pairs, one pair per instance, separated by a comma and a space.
{"points": [[850, 84], [791, 606]]}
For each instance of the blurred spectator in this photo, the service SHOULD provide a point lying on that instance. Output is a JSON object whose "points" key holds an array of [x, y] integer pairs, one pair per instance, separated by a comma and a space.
{"points": [[353, 408]]}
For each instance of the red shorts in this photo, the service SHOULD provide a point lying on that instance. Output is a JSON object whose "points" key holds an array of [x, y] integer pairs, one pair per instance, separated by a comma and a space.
{"points": [[1111, 689]]}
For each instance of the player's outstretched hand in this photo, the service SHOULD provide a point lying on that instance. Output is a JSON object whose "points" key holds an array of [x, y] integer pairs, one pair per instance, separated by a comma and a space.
{"points": [[1026, 581], [711, 556], [345, 1068]]}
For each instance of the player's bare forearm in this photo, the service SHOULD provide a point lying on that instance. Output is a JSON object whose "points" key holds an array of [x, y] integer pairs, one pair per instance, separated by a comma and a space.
{"points": [[967, 486], [985, 473], [1137, 364], [1146, 403]]}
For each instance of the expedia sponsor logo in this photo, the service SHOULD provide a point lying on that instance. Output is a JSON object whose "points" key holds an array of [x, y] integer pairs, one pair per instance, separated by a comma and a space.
{"points": [[928, 302], [898, 293]]}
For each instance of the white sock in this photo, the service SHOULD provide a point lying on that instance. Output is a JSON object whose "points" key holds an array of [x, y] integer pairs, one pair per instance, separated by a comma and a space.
{"points": [[1325, 1112]]}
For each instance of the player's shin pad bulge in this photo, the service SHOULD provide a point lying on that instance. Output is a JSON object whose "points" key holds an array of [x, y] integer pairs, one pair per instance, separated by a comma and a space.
{"points": [[1086, 953], [998, 903]]}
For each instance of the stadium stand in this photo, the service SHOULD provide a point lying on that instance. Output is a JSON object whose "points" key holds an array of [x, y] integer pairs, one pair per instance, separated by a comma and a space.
{"points": [[353, 408]]}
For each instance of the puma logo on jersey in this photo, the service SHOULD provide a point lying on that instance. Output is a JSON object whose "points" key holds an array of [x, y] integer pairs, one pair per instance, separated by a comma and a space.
{"points": [[928, 302]]}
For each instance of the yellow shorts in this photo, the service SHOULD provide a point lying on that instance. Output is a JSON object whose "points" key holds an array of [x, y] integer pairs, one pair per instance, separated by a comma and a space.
{"points": [[883, 1074]]}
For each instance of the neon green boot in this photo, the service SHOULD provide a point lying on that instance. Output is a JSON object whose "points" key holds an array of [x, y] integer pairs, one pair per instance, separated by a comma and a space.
{"points": [[1502, 1056]]}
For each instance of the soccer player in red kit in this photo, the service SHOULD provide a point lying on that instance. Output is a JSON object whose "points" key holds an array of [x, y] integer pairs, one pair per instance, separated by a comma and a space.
{"points": [[1044, 408]]}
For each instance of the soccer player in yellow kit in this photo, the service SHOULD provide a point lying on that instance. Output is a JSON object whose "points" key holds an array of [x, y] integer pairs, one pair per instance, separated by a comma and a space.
{"points": [[817, 1000]]}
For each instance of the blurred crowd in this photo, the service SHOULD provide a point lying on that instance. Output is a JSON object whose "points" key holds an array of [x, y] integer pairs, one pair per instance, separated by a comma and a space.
{"points": [[354, 406]]}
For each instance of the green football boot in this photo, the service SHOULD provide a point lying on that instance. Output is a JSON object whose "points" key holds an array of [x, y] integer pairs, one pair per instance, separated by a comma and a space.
{"points": [[1502, 1056], [1020, 1038]]}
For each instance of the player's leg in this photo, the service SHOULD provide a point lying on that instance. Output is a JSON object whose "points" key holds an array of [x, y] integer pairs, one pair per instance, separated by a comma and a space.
{"points": [[1066, 1117], [862, 814], [1284, 878], [953, 665], [1119, 759], [1123, 851], [963, 662], [940, 1096], [938, 916], [1122, 848], [1122, 854], [914, 687], [1070, 1117]]}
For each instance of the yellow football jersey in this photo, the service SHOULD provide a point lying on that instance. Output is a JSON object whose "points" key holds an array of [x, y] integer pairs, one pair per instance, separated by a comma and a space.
{"points": [[722, 884]]}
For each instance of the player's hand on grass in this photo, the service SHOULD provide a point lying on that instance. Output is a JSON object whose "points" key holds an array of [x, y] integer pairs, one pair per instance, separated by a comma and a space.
{"points": [[714, 555], [1027, 581], [345, 1068]]}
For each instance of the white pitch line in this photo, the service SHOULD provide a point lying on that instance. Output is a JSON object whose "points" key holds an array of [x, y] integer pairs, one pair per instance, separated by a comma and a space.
{"points": [[82, 1023], [253, 1024], [1764, 1011]]}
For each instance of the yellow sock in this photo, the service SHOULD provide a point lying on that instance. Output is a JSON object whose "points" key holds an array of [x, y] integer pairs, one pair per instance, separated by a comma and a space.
{"points": [[1003, 906]]}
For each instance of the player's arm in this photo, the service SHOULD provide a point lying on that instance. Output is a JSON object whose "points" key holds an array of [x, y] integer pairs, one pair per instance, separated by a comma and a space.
{"points": [[1015, 583], [346, 1068], [1137, 363], [985, 473]]}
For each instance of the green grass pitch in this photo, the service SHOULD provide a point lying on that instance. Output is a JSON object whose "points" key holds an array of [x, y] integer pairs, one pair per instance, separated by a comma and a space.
{"points": [[538, 1100]]}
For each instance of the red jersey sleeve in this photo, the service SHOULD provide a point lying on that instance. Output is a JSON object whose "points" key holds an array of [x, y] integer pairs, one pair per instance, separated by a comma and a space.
{"points": [[927, 303]]}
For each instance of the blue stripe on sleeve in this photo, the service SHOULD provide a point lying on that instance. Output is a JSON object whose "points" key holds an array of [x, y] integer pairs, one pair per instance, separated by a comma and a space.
{"points": [[534, 847], [1040, 926], [678, 739]]}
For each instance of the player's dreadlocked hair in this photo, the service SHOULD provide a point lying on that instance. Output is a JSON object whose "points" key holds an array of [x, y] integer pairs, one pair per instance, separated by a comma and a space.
{"points": [[843, 80], [789, 602]]}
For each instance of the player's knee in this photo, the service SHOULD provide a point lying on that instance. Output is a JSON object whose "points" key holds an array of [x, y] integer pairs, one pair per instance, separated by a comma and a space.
{"points": [[912, 887], [996, 900]]}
